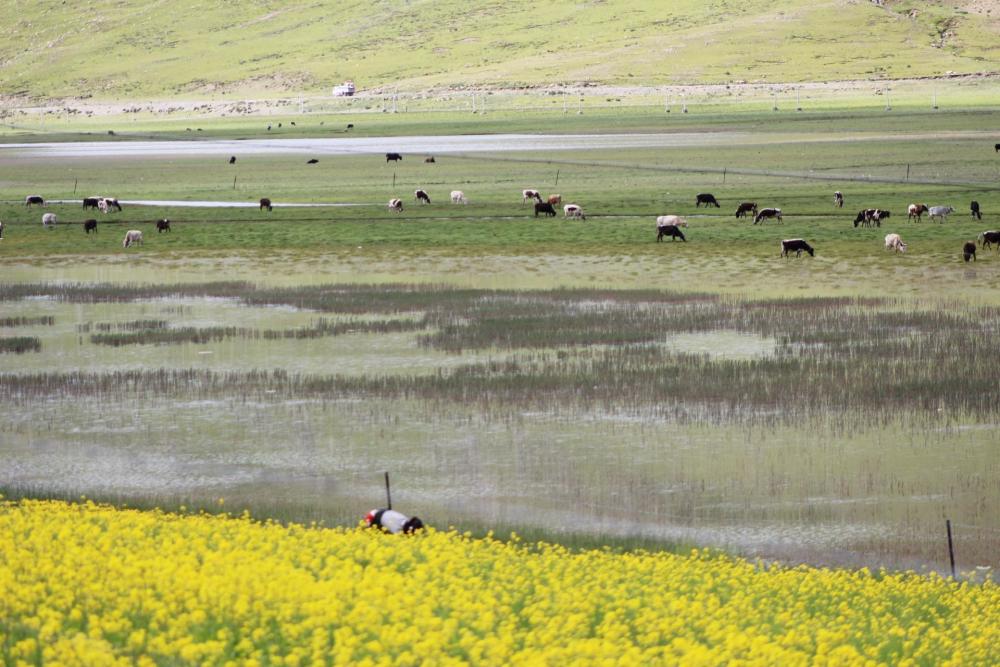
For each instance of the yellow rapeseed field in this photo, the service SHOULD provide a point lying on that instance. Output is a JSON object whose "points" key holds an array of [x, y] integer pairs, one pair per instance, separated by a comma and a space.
{"points": [[85, 584]]}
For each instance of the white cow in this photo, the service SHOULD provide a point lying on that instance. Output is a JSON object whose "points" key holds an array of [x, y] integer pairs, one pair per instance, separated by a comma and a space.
{"points": [[396, 205], [103, 205], [940, 212], [675, 220], [573, 211], [530, 194], [48, 219], [132, 237], [894, 242], [458, 197]]}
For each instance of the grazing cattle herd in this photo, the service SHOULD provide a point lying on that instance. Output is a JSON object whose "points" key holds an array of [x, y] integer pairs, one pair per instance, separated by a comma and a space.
{"points": [[666, 225]]}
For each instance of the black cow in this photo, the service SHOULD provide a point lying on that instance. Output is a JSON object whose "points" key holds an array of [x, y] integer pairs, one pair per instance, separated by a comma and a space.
{"points": [[393, 157], [974, 207], [987, 239], [162, 226], [705, 199], [91, 202], [265, 203], [232, 160], [673, 231], [746, 207], [996, 147], [430, 159], [789, 246], [33, 199], [312, 161], [969, 251], [422, 196], [90, 226], [546, 208]]}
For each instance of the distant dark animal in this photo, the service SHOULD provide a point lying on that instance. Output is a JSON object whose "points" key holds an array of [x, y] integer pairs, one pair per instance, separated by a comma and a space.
{"points": [[530, 194], [788, 246], [421, 196], [268, 128], [838, 199], [430, 159], [974, 207], [766, 213], [132, 237], [312, 161], [396, 205], [162, 226], [915, 211], [996, 148], [673, 231], [1, 229], [706, 199], [265, 203], [746, 207], [546, 208], [279, 124], [34, 199], [940, 212], [90, 226], [554, 199], [232, 160], [91, 202], [969, 251], [350, 126], [292, 123], [987, 239], [393, 157]]}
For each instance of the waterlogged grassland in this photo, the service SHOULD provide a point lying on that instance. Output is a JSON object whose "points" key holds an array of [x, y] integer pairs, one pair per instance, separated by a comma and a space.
{"points": [[830, 430]]}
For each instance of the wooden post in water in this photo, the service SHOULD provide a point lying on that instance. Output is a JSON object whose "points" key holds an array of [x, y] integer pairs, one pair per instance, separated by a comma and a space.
{"points": [[388, 495], [951, 547]]}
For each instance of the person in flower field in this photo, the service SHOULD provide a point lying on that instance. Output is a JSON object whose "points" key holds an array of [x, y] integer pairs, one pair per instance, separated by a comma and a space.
{"points": [[392, 521]]}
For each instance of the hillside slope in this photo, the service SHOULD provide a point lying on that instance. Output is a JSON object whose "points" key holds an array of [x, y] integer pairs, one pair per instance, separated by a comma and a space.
{"points": [[190, 48]]}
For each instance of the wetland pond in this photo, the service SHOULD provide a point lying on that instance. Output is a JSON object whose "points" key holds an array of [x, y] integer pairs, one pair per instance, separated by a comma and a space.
{"points": [[296, 411]]}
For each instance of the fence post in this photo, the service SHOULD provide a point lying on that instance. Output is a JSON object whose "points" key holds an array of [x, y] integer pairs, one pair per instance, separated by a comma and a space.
{"points": [[234, 182], [388, 495], [557, 178], [907, 172], [393, 185], [724, 175], [951, 547], [75, 181]]}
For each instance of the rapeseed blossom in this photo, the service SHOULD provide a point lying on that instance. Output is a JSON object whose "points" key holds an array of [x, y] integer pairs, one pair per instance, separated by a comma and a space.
{"points": [[86, 584]]}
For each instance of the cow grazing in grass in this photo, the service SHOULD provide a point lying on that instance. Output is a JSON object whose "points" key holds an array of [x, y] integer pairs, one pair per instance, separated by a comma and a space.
{"points": [[430, 159], [673, 231], [105, 204], [894, 242], [976, 213], [421, 196], [706, 199], [91, 202], [232, 159], [788, 246], [132, 237], [458, 197], [940, 212], [671, 220], [162, 226], [312, 161], [838, 199], [746, 207], [555, 200], [987, 239], [864, 217], [996, 147], [574, 211], [90, 226], [530, 194], [265, 203], [48, 219], [915, 211], [969, 251], [767, 213], [396, 205], [393, 157], [34, 199], [546, 208]]}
